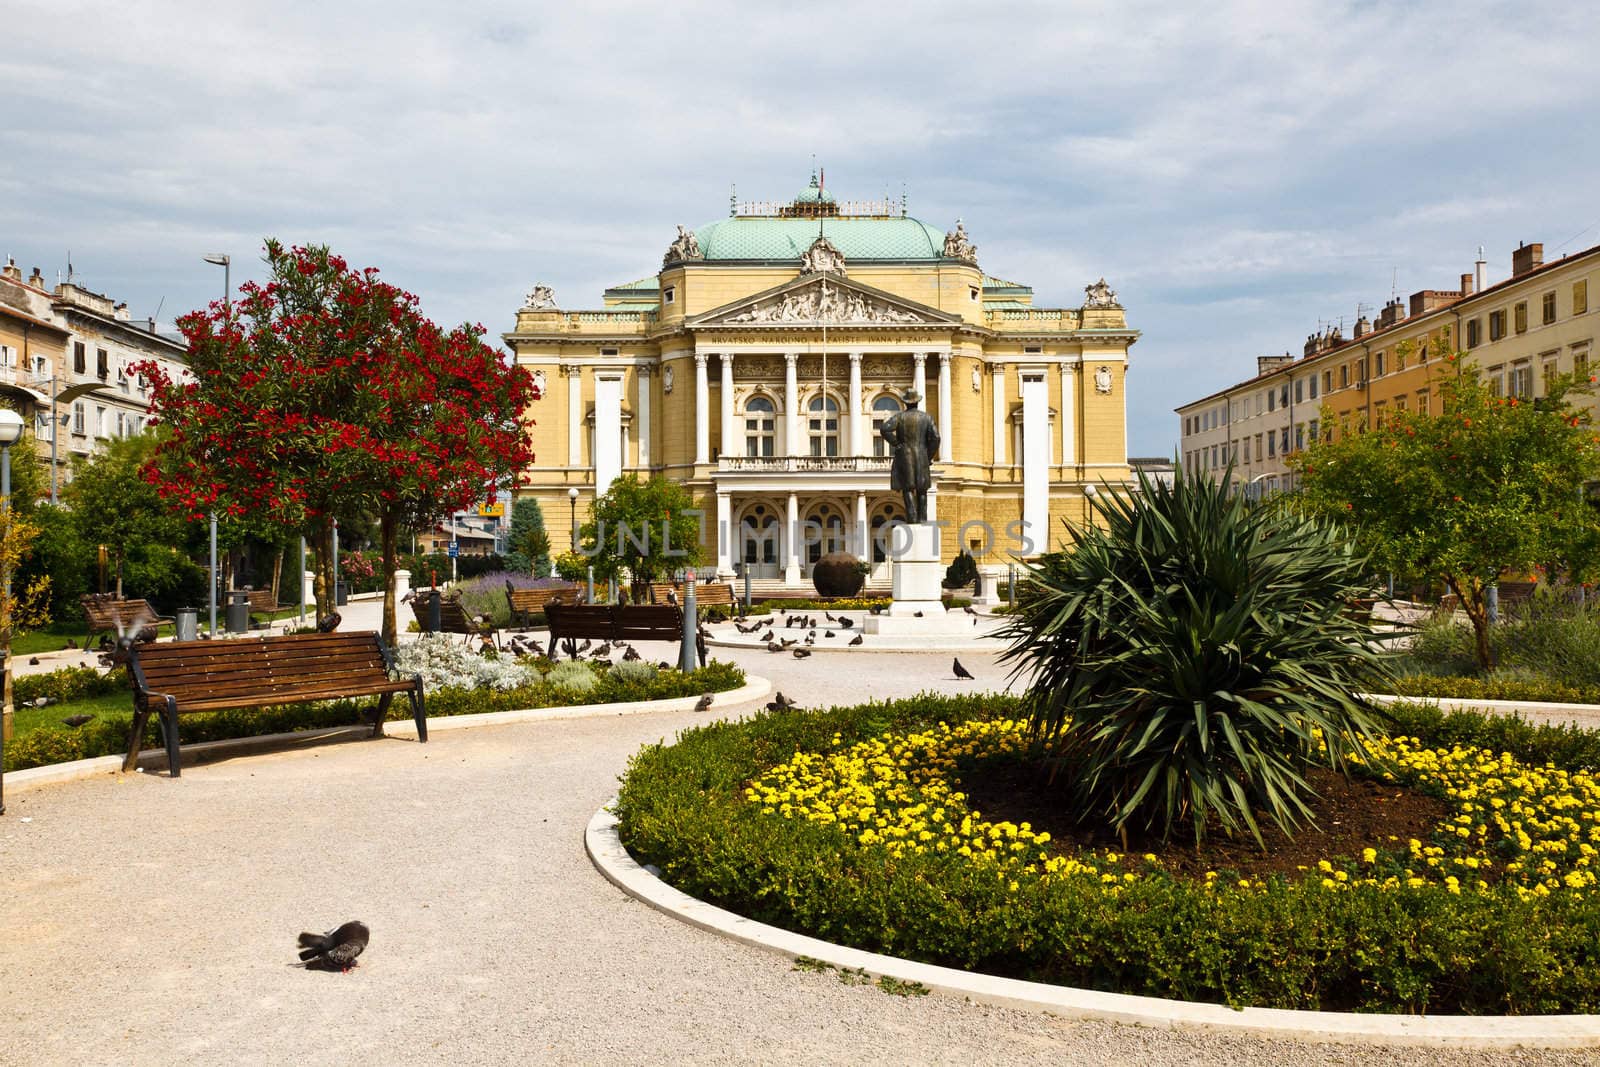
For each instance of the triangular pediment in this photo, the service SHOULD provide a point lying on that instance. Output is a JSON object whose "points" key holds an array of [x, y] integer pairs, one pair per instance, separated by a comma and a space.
{"points": [[826, 298]]}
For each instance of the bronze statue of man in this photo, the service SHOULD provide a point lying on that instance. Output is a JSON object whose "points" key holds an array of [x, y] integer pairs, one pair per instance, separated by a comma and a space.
{"points": [[913, 440]]}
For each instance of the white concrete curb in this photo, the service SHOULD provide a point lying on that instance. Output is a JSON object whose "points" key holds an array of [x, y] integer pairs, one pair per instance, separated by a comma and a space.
{"points": [[232, 747], [1530, 1031], [1464, 704]]}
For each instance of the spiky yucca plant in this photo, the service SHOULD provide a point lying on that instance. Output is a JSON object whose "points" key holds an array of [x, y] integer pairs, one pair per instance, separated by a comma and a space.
{"points": [[1189, 655]]}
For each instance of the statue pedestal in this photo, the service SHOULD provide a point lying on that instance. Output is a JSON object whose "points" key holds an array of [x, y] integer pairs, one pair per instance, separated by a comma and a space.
{"points": [[917, 577]]}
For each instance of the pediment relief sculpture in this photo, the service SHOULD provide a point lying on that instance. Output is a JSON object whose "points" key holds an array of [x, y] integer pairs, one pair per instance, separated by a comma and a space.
{"points": [[822, 256], [831, 305]]}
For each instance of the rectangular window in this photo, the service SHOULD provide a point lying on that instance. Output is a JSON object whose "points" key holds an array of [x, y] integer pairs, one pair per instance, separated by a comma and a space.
{"points": [[5, 355], [669, 294], [1283, 398], [1400, 405], [1272, 401], [1497, 324], [1283, 446], [1246, 444], [1215, 460], [1272, 444], [1299, 390], [1548, 308], [1259, 453], [1519, 317], [1378, 365], [1474, 333], [1521, 380], [1496, 377], [1422, 401], [1580, 361], [100, 424], [1327, 381], [1313, 387], [1313, 427], [1551, 371], [1344, 376], [1580, 297], [1399, 360], [80, 358], [1223, 411], [43, 429], [77, 418], [102, 363], [1300, 436]]}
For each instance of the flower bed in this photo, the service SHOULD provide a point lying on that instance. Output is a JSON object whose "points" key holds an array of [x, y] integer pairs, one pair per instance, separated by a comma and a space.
{"points": [[852, 826]]}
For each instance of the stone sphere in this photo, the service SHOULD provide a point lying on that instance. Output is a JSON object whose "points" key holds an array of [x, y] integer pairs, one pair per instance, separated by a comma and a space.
{"points": [[838, 574]]}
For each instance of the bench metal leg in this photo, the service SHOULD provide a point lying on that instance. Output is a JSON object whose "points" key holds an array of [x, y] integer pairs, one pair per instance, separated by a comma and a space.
{"points": [[419, 711], [169, 734], [381, 713], [135, 738]]}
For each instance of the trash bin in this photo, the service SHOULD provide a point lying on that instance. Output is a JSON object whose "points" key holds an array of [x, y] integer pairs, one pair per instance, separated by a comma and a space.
{"points": [[435, 622], [341, 594], [238, 612], [187, 624]]}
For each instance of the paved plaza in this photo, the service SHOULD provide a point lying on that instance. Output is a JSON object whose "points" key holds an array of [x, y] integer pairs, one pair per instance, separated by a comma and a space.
{"points": [[150, 920]]}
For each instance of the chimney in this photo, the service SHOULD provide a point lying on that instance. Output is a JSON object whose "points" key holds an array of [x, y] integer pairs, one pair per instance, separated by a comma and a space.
{"points": [[1363, 327], [1480, 273], [36, 279], [1426, 300], [11, 270], [152, 323], [1526, 258], [1271, 363], [1311, 345], [121, 312], [1393, 312], [1466, 285]]}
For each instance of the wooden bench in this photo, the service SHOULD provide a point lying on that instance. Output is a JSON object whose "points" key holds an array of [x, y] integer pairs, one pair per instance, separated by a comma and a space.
{"points": [[453, 618], [262, 602], [617, 622], [526, 603], [706, 594], [108, 614], [258, 672]]}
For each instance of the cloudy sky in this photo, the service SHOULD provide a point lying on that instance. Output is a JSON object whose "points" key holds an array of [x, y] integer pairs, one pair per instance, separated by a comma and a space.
{"points": [[1239, 171]]}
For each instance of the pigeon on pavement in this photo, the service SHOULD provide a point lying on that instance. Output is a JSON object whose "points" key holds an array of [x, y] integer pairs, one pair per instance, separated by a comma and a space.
{"points": [[77, 720], [845, 623], [968, 609], [773, 646], [34, 662], [857, 639], [801, 653], [780, 702], [335, 950], [704, 703], [961, 672]]}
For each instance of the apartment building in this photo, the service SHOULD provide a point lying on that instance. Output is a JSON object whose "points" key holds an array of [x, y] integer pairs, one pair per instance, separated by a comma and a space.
{"points": [[1520, 332]]}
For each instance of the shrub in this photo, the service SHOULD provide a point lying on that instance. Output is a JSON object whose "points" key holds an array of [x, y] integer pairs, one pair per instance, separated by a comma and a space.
{"points": [[1189, 655], [1496, 687], [573, 675], [70, 683], [1545, 639], [444, 662], [963, 571], [633, 672]]}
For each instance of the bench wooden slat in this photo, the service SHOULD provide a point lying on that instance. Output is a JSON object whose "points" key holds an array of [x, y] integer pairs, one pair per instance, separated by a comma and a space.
{"points": [[706, 594], [621, 622], [255, 672]]}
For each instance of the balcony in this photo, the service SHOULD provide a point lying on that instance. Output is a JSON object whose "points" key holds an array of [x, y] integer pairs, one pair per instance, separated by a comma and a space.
{"points": [[804, 464]]}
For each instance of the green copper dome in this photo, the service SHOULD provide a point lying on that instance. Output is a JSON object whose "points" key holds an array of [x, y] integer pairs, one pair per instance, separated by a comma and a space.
{"points": [[814, 194], [783, 240]]}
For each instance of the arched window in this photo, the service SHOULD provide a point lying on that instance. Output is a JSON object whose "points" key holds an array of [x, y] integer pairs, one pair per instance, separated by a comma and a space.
{"points": [[758, 535], [824, 532], [823, 423], [758, 427], [882, 516], [882, 408]]}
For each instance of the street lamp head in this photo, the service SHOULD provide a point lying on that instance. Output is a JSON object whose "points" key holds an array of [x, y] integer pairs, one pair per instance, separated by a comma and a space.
{"points": [[11, 425], [572, 494], [219, 259]]}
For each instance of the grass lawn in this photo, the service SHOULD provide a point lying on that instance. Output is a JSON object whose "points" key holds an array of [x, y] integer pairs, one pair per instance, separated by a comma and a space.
{"points": [[112, 705]]}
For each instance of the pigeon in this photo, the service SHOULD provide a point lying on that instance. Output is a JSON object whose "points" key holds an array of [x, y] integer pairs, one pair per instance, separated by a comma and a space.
{"points": [[876, 610], [77, 720], [844, 623], [71, 643], [789, 642], [43, 702], [974, 622], [857, 639], [781, 701], [961, 672], [34, 662], [827, 633], [672, 597], [801, 653], [773, 646], [811, 638], [585, 646], [918, 614], [603, 650], [327, 626], [631, 654], [704, 703], [663, 666], [968, 609], [409, 597], [830, 618], [335, 950]]}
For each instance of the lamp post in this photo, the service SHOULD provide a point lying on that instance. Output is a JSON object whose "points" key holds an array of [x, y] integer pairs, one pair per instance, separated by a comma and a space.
{"points": [[572, 500], [10, 433], [223, 260]]}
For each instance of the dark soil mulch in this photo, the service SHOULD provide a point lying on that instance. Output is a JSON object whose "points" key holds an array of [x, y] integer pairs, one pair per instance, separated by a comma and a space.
{"points": [[1350, 815]]}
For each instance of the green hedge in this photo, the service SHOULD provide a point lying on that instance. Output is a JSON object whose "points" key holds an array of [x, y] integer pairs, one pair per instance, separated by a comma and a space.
{"points": [[1463, 688], [109, 735], [1288, 945], [69, 683]]}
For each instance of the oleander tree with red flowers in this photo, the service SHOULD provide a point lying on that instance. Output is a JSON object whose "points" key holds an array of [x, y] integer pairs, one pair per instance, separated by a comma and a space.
{"points": [[325, 394]]}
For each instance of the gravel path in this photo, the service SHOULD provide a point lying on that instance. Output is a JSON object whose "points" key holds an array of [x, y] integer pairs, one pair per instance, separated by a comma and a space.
{"points": [[147, 920]]}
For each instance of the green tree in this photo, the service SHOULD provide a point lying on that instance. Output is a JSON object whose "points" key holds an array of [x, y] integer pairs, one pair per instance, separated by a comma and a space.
{"points": [[528, 543], [1489, 488], [115, 505], [644, 528]]}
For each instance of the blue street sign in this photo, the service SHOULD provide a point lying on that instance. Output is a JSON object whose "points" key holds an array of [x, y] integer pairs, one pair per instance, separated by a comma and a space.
{"points": [[455, 549]]}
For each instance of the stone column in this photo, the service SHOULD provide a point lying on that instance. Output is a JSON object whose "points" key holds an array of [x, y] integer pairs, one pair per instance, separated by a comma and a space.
{"points": [[863, 530], [702, 411], [919, 377], [608, 452], [946, 447], [791, 541], [933, 501], [998, 382], [574, 376], [642, 378], [1036, 459], [1069, 413], [791, 406], [857, 441], [728, 432], [724, 536]]}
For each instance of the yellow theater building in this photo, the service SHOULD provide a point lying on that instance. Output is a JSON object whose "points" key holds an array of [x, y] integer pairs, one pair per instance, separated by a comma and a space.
{"points": [[757, 365]]}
